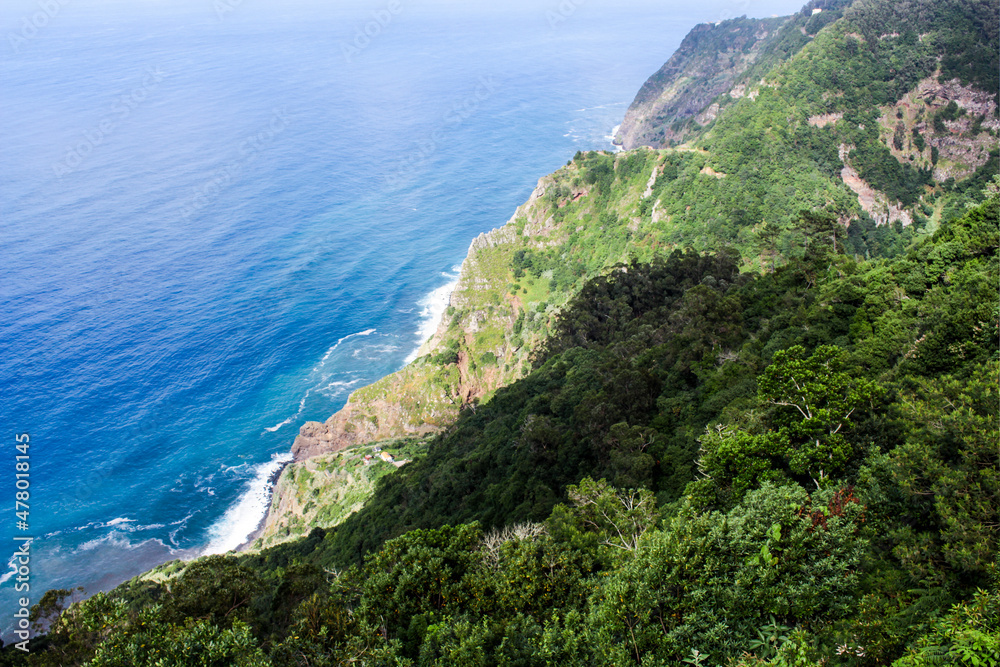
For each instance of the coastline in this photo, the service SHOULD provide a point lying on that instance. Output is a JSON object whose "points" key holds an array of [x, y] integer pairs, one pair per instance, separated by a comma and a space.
{"points": [[434, 305], [272, 483]]}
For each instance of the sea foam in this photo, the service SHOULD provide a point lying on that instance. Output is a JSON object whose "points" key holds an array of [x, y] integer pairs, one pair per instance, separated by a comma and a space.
{"points": [[611, 138], [432, 308], [318, 370], [242, 518]]}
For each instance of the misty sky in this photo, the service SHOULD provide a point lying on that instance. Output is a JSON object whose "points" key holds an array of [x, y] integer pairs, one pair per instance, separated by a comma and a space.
{"points": [[65, 12]]}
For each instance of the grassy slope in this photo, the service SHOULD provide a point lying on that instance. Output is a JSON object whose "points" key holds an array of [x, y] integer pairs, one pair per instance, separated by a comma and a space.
{"points": [[741, 182], [324, 490]]}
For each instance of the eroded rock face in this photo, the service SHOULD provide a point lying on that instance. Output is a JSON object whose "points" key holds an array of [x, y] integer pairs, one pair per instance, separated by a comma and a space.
{"points": [[974, 101], [908, 129], [314, 438], [709, 61], [874, 203], [962, 146], [824, 119], [369, 421]]}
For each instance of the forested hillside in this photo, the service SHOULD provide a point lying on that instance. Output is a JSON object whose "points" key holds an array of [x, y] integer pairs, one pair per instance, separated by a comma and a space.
{"points": [[798, 467], [883, 114], [748, 416]]}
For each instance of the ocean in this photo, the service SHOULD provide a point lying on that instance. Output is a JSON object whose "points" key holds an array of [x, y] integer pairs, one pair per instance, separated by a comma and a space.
{"points": [[217, 219]]}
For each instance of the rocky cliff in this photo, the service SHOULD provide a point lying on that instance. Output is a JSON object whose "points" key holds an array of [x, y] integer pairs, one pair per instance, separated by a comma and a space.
{"points": [[716, 64], [474, 351], [513, 283], [707, 64], [867, 113]]}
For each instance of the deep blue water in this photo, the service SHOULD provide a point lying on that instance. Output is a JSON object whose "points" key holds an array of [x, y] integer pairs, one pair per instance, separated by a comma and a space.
{"points": [[212, 229]]}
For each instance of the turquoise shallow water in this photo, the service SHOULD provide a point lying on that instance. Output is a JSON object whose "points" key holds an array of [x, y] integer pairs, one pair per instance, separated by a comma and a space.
{"points": [[214, 228]]}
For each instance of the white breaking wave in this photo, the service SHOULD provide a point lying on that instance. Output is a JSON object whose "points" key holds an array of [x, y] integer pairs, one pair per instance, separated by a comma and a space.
{"points": [[602, 106], [272, 429], [152, 526], [13, 564], [181, 525], [241, 520], [374, 352], [118, 540], [338, 387], [119, 520], [366, 332], [302, 406], [130, 525], [316, 369], [614, 133], [432, 308]]}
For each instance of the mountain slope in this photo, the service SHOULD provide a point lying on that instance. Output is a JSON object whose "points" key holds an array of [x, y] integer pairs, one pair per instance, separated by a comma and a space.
{"points": [[707, 64], [857, 510], [775, 349], [878, 129], [717, 59]]}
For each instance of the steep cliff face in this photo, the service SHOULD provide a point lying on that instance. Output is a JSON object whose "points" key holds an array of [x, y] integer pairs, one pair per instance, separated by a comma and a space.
{"points": [[866, 113], [483, 342], [709, 61], [715, 65], [850, 107], [940, 125], [325, 489]]}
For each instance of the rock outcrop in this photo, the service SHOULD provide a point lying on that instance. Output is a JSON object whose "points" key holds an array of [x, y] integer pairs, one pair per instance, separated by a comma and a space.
{"points": [[873, 202], [426, 395], [953, 148], [709, 61], [715, 65]]}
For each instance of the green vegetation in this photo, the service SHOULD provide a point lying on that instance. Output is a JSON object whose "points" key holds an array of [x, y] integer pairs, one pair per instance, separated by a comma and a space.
{"points": [[798, 467], [683, 415], [740, 182], [324, 490]]}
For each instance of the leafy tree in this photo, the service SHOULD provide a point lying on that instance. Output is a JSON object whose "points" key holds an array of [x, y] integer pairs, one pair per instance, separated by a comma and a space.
{"points": [[819, 398], [619, 517], [969, 636], [707, 582], [77, 630], [150, 641], [524, 571], [803, 438], [949, 467], [413, 579], [216, 589]]}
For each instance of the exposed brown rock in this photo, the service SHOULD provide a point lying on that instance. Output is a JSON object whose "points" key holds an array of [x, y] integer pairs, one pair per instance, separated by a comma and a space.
{"points": [[708, 171], [960, 151], [874, 203], [685, 87], [824, 119]]}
